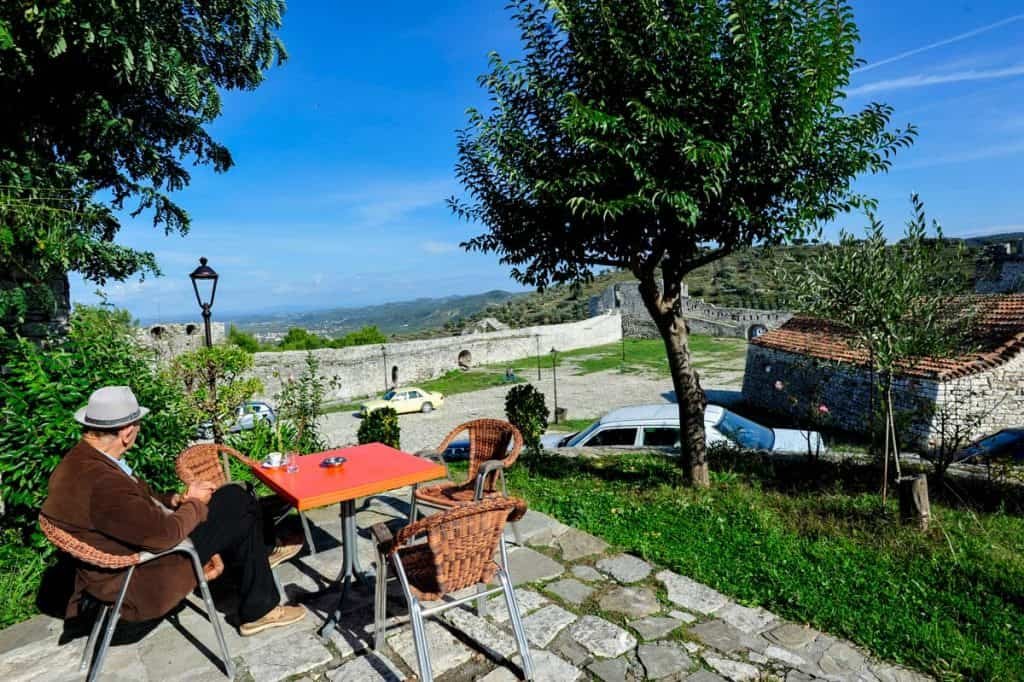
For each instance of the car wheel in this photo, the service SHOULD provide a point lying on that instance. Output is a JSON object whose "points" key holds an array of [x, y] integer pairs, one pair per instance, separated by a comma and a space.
{"points": [[427, 407]]}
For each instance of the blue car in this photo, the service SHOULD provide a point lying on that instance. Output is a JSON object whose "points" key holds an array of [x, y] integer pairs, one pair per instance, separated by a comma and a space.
{"points": [[1007, 445]]}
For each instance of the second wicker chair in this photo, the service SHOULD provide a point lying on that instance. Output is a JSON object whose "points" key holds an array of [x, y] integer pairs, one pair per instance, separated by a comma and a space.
{"points": [[494, 446]]}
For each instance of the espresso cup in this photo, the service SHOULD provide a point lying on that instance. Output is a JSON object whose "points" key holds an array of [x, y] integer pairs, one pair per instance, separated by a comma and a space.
{"points": [[274, 459]]}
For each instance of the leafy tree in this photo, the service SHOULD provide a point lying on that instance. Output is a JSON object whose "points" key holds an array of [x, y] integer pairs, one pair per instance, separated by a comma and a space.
{"points": [[897, 302], [300, 401], [366, 336], [215, 384], [243, 340], [41, 389], [103, 106], [660, 136]]}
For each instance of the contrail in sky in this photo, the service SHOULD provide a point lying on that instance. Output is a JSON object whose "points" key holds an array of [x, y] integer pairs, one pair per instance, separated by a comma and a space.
{"points": [[941, 43]]}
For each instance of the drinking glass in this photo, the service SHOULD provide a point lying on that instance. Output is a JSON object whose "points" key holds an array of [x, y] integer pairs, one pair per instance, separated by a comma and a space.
{"points": [[293, 462]]}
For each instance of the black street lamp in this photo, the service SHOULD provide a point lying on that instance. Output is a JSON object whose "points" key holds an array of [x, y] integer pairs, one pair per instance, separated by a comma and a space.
{"points": [[538, 357], [554, 378], [205, 274]]}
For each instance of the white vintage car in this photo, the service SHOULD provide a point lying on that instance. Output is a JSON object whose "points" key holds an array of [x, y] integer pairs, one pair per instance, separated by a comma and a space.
{"points": [[402, 400]]}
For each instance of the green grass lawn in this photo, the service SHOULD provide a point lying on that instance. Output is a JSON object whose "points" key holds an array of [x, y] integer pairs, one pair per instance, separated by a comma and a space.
{"points": [[811, 544]]}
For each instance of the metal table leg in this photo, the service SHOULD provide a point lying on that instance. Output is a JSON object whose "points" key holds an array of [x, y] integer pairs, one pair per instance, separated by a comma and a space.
{"points": [[350, 571]]}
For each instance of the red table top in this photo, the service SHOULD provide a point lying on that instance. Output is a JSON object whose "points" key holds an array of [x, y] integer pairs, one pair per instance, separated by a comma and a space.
{"points": [[369, 469]]}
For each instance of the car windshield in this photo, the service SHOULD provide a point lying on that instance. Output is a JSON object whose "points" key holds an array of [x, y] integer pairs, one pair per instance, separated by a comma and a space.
{"points": [[582, 435], [745, 433], [389, 395]]}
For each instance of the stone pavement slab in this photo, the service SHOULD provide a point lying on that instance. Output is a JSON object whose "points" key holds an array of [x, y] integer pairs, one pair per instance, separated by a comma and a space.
{"points": [[544, 624], [601, 638], [33, 630], [631, 601], [535, 528], [690, 594], [588, 573], [570, 591], [294, 655], [527, 565], [548, 667], [655, 627], [575, 544], [625, 568], [446, 652], [792, 635], [495, 642], [370, 668], [663, 659], [527, 599], [736, 671], [611, 670], [744, 619]]}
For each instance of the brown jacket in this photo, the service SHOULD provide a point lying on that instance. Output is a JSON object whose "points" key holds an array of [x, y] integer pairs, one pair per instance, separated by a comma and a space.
{"points": [[91, 498]]}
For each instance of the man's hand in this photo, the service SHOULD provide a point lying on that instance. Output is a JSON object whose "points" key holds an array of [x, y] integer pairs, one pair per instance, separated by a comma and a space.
{"points": [[200, 492]]}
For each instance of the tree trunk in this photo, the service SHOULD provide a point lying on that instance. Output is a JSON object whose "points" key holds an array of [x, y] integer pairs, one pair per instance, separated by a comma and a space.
{"points": [[915, 506], [667, 315]]}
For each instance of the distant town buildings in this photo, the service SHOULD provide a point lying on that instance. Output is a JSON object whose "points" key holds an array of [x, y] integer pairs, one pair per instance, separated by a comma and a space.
{"points": [[1001, 271]]}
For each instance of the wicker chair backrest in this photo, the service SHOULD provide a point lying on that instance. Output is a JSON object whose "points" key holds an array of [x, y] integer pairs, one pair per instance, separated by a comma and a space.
{"points": [[463, 541], [66, 542], [202, 463], [488, 439]]}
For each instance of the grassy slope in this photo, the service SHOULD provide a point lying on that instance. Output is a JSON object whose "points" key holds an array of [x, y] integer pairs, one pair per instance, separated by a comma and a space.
{"points": [[813, 549]]}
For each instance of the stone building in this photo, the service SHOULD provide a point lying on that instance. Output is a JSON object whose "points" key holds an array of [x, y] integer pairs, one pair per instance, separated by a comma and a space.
{"points": [[1002, 269], [701, 317], [807, 362]]}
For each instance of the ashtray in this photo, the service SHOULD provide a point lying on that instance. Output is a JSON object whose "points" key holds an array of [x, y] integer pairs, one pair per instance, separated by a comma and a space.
{"points": [[332, 461]]}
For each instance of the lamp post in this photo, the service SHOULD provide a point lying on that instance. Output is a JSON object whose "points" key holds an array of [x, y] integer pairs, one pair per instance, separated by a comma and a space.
{"points": [[537, 336], [554, 378], [205, 274], [208, 277]]}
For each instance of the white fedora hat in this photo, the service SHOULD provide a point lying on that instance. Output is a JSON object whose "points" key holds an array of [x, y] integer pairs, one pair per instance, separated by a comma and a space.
{"points": [[111, 407]]}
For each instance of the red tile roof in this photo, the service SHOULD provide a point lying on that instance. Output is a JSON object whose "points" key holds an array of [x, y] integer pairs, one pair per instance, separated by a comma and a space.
{"points": [[998, 336]]}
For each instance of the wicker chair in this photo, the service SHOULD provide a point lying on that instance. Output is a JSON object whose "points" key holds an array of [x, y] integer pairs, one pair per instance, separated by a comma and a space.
{"points": [[489, 456], [211, 462], [86, 553], [458, 553]]}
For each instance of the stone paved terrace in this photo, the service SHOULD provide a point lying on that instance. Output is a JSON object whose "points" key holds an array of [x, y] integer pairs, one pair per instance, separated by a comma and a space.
{"points": [[590, 612]]}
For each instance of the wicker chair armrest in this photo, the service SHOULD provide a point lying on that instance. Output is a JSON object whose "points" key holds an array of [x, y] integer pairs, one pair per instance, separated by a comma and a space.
{"points": [[186, 546], [486, 469], [383, 537], [237, 455], [517, 447]]}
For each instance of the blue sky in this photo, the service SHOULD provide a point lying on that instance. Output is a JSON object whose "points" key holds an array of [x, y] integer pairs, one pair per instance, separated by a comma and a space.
{"points": [[345, 155]]}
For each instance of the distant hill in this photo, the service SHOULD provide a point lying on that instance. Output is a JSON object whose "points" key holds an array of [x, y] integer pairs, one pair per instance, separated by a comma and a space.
{"points": [[745, 279], [391, 318]]}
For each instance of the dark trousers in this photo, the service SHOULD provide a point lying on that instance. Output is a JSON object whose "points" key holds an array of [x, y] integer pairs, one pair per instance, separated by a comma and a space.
{"points": [[234, 528]]}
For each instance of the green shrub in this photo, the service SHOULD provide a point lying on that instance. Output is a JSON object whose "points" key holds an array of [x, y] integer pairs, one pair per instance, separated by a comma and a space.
{"points": [[301, 401], [21, 568], [225, 365], [525, 407], [380, 426], [41, 389]]}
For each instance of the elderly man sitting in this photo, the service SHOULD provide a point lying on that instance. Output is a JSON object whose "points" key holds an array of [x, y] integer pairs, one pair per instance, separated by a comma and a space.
{"points": [[95, 496]]}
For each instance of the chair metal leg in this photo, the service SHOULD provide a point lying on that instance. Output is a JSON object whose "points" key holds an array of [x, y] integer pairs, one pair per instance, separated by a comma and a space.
{"points": [[481, 602], [419, 636], [380, 602], [90, 646], [517, 623], [211, 612], [412, 503], [309, 535], [115, 613]]}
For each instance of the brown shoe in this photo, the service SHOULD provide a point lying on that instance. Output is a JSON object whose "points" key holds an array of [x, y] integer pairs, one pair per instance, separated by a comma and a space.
{"points": [[279, 616], [283, 553]]}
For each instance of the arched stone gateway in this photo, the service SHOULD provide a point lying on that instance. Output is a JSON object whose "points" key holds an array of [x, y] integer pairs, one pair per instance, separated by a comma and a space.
{"points": [[465, 359], [756, 330], [394, 375], [191, 329], [156, 332]]}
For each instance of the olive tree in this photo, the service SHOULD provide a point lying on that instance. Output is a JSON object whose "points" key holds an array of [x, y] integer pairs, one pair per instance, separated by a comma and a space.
{"points": [[659, 136]]}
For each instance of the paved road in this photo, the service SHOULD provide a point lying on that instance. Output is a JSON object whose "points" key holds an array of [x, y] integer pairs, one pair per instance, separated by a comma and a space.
{"points": [[584, 396]]}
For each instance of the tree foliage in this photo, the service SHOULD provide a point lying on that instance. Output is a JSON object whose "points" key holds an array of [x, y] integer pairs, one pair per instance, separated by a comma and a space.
{"points": [[526, 408], [659, 136], [215, 382], [380, 426], [41, 389], [898, 302], [104, 105]]}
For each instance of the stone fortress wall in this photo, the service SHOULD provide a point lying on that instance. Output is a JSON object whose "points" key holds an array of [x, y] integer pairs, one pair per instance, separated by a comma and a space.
{"points": [[171, 338], [366, 370], [701, 317], [1003, 271]]}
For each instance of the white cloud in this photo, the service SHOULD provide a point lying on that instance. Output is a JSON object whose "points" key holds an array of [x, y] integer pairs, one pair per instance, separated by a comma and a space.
{"points": [[978, 154], [920, 80], [941, 43], [437, 248], [382, 203]]}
